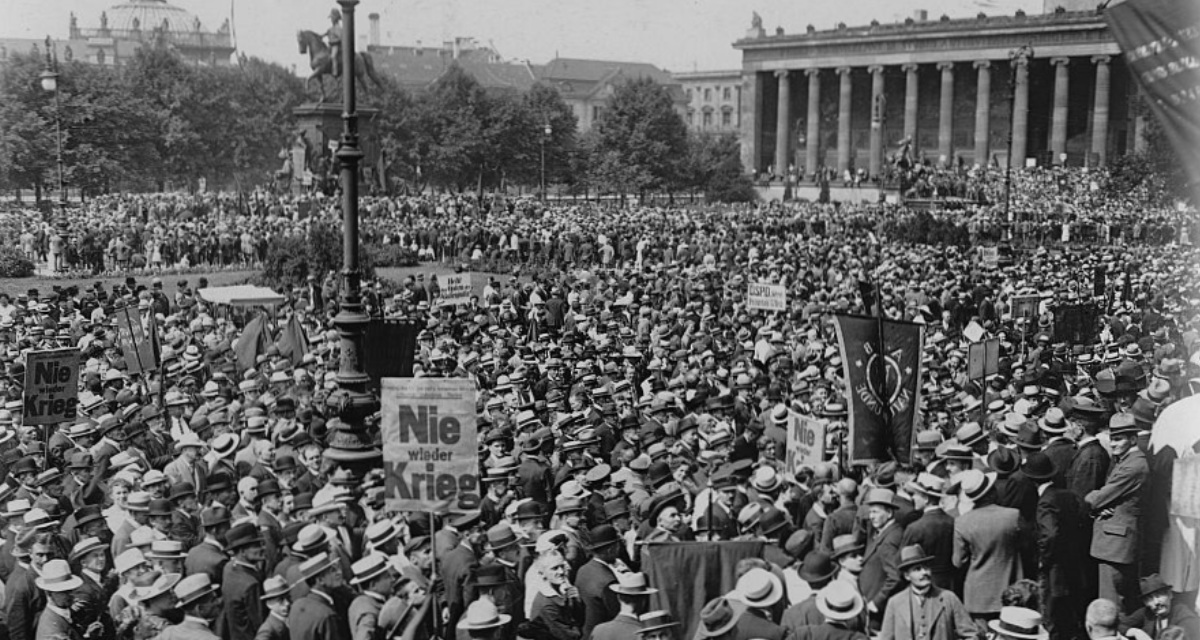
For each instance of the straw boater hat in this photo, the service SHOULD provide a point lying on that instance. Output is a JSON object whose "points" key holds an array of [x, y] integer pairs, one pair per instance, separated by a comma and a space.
{"points": [[1019, 623], [193, 588], [839, 601], [369, 568], [759, 588], [315, 565], [656, 620], [275, 587], [483, 614], [56, 577]]}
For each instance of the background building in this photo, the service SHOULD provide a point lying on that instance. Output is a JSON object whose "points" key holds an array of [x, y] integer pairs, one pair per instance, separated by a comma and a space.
{"points": [[845, 98], [124, 28], [714, 100]]}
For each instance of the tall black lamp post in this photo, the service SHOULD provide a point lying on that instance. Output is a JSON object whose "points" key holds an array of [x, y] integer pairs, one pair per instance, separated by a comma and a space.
{"points": [[547, 131], [351, 445], [49, 78]]}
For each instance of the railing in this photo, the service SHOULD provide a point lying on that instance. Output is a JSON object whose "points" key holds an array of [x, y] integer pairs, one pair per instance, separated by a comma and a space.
{"points": [[177, 38]]}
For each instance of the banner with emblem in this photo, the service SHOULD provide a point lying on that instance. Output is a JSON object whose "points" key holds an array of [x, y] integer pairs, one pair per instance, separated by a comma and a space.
{"points": [[882, 360]]}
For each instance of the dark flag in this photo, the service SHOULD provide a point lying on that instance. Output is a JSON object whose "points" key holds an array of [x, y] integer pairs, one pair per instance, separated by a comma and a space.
{"points": [[1158, 38], [884, 388], [867, 291], [255, 339], [293, 342]]}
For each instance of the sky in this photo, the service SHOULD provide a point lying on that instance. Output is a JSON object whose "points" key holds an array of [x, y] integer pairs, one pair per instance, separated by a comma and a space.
{"points": [[677, 35]]}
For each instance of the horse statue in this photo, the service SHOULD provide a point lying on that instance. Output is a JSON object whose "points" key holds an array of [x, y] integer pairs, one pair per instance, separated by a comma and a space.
{"points": [[321, 63]]}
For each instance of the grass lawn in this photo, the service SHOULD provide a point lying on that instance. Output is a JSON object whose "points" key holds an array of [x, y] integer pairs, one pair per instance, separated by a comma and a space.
{"points": [[17, 286]]}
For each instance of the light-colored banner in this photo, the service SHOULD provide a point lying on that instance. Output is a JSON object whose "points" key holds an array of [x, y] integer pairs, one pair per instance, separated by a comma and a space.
{"points": [[456, 289], [805, 442], [430, 450], [768, 297]]}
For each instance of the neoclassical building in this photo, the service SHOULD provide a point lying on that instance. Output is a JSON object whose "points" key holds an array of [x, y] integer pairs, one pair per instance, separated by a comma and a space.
{"points": [[845, 98]]}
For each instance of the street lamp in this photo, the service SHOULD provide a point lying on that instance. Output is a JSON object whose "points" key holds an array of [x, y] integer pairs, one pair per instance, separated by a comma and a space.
{"points": [[49, 78], [1016, 57], [350, 443], [547, 131]]}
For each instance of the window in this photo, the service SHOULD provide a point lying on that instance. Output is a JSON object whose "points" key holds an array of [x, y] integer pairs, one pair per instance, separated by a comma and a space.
{"points": [[691, 117], [726, 118], [725, 93], [707, 119], [596, 110], [689, 95], [708, 95]]}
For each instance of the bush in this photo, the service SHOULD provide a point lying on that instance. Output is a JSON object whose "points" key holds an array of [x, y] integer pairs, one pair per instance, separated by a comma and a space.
{"points": [[291, 260], [13, 264], [392, 255]]}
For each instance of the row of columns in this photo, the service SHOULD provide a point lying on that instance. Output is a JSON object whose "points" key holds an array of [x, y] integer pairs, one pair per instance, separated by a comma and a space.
{"points": [[1019, 122]]}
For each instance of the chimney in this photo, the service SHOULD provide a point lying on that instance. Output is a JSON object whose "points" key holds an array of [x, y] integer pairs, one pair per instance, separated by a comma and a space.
{"points": [[373, 37], [921, 15]]}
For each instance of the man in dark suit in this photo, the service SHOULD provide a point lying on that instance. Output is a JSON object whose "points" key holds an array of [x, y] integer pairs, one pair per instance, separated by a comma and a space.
{"points": [[1117, 509], [90, 603], [458, 565], [842, 606], [1160, 611], [880, 577], [987, 544], [185, 525], [596, 575], [933, 530], [209, 556], [241, 584], [313, 616], [275, 598], [923, 610], [633, 595], [1060, 539], [1060, 447], [534, 476], [842, 520], [23, 599]]}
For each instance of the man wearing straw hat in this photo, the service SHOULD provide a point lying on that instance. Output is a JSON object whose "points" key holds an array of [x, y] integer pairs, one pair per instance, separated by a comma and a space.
{"points": [[278, 602], [314, 616], [482, 621], [934, 529], [197, 597], [373, 576], [57, 582], [924, 610], [156, 602], [760, 590], [633, 594], [842, 607]]}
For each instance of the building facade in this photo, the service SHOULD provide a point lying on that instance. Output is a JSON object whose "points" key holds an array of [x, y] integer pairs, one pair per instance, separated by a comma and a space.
{"points": [[588, 85], [124, 28], [849, 98], [714, 100]]}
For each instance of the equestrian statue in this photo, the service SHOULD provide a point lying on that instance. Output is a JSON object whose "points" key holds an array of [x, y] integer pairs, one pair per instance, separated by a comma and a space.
{"points": [[326, 59]]}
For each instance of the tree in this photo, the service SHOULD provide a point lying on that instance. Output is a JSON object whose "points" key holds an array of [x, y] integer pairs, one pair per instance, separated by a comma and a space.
{"points": [[450, 143], [546, 106], [641, 140], [714, 166]]}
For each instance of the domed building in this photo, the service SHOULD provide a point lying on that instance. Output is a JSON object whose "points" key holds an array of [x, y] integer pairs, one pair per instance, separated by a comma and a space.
{"points": [[128, 26]]}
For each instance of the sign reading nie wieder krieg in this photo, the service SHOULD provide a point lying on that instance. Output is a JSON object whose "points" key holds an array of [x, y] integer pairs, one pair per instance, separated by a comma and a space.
{"points": [[805, 442], [430, 450], [51, 386]]}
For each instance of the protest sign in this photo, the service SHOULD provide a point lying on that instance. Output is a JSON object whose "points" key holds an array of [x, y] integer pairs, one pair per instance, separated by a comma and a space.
{"points": [[805, 442], [990, 257], [51, 386], [983, 359], [430, 451], [138, 351], [1026, 306], [457, 289], [768, 297]]}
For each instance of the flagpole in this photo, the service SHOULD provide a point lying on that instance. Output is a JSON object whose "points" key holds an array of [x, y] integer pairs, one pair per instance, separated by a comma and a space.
{"points": [[879, 345]]}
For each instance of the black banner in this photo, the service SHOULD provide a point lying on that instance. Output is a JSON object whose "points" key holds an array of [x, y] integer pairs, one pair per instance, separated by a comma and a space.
{"points": [[389, 349]]}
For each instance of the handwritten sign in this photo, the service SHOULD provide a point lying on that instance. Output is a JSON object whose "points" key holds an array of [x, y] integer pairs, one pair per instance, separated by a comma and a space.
{"points": [[457, 289], [51, 386], [1185, 488], [805, 442], [430, 450], [768, 297]]}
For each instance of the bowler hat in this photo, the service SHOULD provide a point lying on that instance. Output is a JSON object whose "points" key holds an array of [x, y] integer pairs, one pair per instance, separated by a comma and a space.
{"points": [[603, 536], [817, 567], [243, 535], [1039, 466]]}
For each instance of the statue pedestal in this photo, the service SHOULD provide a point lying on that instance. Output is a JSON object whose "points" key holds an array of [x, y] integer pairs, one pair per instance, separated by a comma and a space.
{"points": [[320, 123]]}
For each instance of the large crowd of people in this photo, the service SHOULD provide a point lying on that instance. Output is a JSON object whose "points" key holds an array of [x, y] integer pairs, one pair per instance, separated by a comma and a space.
{"points": [[629, 403]]}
